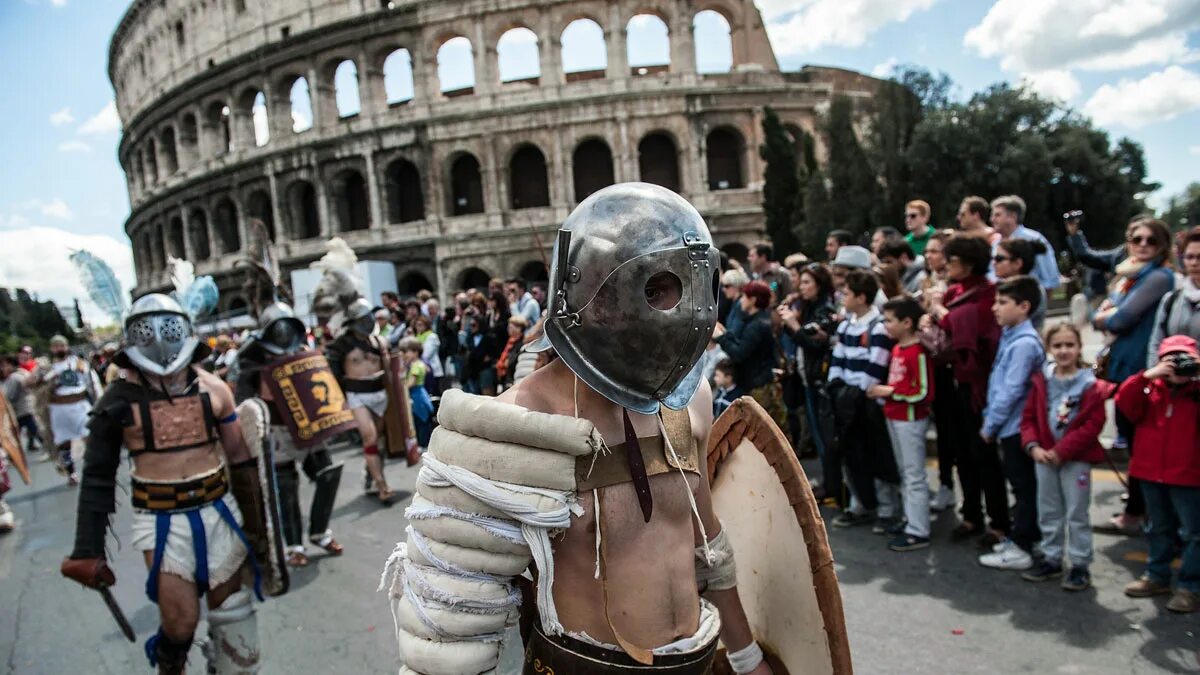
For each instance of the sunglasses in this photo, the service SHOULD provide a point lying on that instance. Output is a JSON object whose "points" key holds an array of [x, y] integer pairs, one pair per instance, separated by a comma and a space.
{"points": [[1001, 258], [1141, 241], [910, 216]]}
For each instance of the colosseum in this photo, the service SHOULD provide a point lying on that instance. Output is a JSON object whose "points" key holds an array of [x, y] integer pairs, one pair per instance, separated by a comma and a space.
{"points": [[348, 118]]}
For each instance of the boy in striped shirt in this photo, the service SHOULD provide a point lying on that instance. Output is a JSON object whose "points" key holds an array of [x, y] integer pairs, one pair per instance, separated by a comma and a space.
{"points": [[906, 400]]}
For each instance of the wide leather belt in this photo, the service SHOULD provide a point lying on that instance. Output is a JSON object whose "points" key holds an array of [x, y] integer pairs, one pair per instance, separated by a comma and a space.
{"points": [[564, 655], [362, 386], [69, 398], [182, 496]]}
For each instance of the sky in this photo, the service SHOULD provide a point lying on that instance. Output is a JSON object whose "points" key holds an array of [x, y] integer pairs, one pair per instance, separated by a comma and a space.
{"points": [[1133, 66]]}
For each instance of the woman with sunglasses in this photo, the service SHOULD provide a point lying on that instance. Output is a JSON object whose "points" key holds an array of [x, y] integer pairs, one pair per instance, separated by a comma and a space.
{"points": [[1015, 257], [1127, 318], [1179, 311], [808, 321]]}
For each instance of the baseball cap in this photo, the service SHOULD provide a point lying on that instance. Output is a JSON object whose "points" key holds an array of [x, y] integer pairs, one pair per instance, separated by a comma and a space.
{"points": [[1178, 344]]}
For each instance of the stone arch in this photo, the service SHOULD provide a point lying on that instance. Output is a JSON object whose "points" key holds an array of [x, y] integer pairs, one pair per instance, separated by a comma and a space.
{"points": [[534, 271], [300, 103], [736, 251], [189, 135], [714, 42], [411, 282], [724, 151], [151, 162], [466, 185], [405, 197], [174, 239], [648, 44], [345, 88], [198, 226], [592, 166], [225, 224], [529, 186], [303, 217], [350, 201], [584, 53], [398, 83], [258, 205], [473, 277], [456, 67], [517, 56], [219, 126], [169, 151], [658, 160]]}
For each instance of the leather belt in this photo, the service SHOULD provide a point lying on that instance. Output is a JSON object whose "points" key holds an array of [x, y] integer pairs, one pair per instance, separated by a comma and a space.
{"points": [[362, 386], [183, 496], [563, 654], [69, 398]]}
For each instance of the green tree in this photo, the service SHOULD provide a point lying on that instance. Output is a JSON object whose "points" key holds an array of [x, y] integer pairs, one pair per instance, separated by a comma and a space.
{"points": [[25, 320], [854, 191], [1183, 210], [781, 184]]}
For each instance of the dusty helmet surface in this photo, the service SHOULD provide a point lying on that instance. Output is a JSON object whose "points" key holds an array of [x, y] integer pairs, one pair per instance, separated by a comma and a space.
{"points": [[360, 317], [280, 332], [159, 338], [633, 295]]}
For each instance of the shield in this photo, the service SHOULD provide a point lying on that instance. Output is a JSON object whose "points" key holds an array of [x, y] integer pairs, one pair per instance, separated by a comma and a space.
{"points": [[10, 440], [785, 573], [266, 525], [398, 419], [308, 398]]}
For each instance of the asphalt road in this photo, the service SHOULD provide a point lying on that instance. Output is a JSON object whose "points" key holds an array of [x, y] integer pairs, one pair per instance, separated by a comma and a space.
{"points": [[932, 611]]}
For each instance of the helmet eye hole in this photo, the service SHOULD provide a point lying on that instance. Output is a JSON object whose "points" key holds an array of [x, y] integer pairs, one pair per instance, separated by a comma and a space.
{"points": [[664, 291]]}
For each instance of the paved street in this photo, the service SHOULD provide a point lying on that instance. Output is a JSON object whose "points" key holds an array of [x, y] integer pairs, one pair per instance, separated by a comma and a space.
{"points": [[933, 611]]}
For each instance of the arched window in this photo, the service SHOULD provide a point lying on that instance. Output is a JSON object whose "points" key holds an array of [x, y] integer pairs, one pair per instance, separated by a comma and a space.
{"points": [[345, 89], [466, 186], [658, 161], [258, 116], [156, 247], [649, 45], [225, 222], [398, 77], [412, 283], [517, 54], [736, 251], [218, 124], [473, 277], [527, 178], [258, 205], [302, 210], [406, 200], [584, 54], [198, 231], [175, 238], [151, 162], [534, 271], [350, 201], [170, 158], [301, 104], [714, 47], [724, 150], [188, 135], [456, 67], [592, 164]]}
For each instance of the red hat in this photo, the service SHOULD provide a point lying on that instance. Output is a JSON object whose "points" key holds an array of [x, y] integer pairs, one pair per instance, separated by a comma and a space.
{"points": [[1176, 344]]}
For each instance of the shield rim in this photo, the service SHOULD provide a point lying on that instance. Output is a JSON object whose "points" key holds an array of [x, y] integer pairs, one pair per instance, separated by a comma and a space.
{"points": [[747, 420]]}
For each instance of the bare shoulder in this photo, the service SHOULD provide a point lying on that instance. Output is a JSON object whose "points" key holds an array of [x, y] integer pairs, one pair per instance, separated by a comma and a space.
{"points": [[701, 410], [218, 391], [544, 390]]}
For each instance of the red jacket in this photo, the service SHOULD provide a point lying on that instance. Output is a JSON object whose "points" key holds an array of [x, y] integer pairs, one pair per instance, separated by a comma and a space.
{"points": [[973, 334], [1081, 441], [1166, 439]]}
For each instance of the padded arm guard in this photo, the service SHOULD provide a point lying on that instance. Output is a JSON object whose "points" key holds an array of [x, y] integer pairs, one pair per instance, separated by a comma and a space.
{"points": [[247, 491], [718, 573], [98, 483]]}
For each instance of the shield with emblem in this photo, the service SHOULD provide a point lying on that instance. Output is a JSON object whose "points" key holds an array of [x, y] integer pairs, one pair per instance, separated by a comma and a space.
{"points": [[263, 528], [398, 420], [785, 575], [308, 398]]}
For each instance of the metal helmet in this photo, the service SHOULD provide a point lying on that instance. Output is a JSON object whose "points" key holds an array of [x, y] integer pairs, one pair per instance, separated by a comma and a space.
{"points": [[633, 295], [360, 317], [280, 331], [159, 338]]}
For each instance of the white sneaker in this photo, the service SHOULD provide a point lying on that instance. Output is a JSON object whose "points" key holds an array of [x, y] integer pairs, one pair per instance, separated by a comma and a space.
{"points": [[942, 500], [7, 521], [1007, 556]]}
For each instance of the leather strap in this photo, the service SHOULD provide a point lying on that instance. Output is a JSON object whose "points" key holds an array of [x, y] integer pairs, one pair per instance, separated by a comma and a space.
{"points": [[637, 467]]}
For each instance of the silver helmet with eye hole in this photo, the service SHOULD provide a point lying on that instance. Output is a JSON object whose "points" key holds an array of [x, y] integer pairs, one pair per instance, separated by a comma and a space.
{"points": [[281, 332], [633, 296], [159, 338]]}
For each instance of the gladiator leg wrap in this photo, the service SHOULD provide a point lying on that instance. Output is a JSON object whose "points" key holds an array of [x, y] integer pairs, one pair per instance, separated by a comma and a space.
{"points": [[233, 629], [371, 450], [168, 655], [288, 480], [326, 482], [718, 573]]}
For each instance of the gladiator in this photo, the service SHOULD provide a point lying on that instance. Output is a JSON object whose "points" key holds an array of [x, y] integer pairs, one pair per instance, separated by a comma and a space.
{"points": [[73, 387], [191, 483]]}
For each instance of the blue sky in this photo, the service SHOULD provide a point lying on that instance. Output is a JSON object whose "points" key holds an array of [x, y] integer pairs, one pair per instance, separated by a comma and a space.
{"points": [[1133, 65]]}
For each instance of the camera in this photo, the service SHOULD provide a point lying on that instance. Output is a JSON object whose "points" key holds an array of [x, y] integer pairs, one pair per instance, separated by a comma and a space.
{"points": [[1075, 215], [811, 328], [1185, 364]]}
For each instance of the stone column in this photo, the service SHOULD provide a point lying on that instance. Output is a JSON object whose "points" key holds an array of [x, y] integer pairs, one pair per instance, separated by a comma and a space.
{"points": [[281, 229], [560, 189], [373, 197], [754, 163], [323, 100], [549, 53], [215, 248], [614, 37], [279, 104], [322, 204], [372, 93], [683, 43], [689, 162], [435, 205], [188, 249], [625, 165], [487, 73], [495, 193]]}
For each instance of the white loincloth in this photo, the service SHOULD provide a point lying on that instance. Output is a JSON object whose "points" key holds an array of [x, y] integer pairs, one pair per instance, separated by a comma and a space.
{"points": [[708, 630], [68, 421], [375, 401], [226, 552]]}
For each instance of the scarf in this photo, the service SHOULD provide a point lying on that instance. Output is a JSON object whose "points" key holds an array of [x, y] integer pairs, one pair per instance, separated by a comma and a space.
{"points": [[1127, 273], [1191, 291]]}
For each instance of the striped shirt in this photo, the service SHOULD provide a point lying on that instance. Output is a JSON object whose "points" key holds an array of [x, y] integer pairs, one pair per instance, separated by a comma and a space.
{"points": [[861, 359]]}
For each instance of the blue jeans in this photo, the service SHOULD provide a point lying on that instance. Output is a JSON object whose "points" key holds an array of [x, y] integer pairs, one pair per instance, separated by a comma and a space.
{"points": [[1174, 512]]}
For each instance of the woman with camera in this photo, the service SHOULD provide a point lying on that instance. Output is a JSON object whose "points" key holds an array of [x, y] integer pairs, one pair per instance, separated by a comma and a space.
{"points": [[1127, 317], [809, 321], [1179, 311]]}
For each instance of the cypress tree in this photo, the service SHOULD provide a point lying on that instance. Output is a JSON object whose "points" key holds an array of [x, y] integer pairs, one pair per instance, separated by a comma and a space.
{"points": [[781, 184]]}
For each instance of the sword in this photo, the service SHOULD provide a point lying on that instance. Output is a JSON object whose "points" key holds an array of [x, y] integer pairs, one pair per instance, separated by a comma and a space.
{"points": [[117, 614]]}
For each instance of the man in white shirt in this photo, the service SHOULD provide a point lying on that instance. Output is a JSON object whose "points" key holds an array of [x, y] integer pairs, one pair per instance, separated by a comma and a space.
{"points": [[521, 302], [1007, 213]]}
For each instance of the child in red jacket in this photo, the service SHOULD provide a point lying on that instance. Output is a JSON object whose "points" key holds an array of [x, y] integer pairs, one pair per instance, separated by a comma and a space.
{"points": [[1163, 403], [1060, 429]]}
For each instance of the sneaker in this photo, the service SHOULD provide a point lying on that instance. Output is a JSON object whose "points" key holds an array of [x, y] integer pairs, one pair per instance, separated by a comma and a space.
{"points": [[8, 521], [1078, 579], [1122, 524], [1184, 601], [1146, 587], [851, 519], [1044, 570], [73, 479], [908, 542], [1009, 556], [944, 499], [888, 526]]}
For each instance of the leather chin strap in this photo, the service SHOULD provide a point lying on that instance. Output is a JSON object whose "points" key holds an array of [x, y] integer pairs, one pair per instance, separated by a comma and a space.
{"points": [[637, 467]]}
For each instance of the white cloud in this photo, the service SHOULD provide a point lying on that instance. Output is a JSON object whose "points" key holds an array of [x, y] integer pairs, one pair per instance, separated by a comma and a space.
{"points": [[1055, 84], [35, 258], [104, 122], [1157, 97], [59, 3], [885, 68], [1034, 37], [801, 26], [56, 209], [61, 117], [74, 146]]}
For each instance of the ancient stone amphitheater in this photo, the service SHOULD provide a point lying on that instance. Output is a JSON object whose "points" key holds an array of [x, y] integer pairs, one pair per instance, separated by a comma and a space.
{"points": [[351, 118]]}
